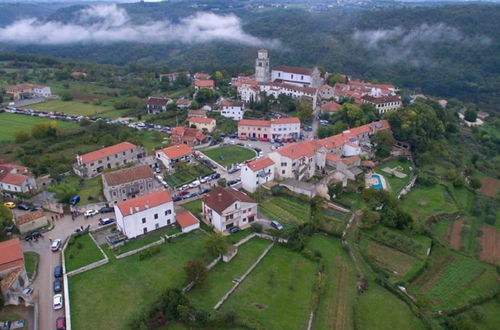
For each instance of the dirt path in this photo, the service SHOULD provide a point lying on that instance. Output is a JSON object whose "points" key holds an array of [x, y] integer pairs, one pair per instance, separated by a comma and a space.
{"points": [[490, 245], [339, 319], [454, 236]]}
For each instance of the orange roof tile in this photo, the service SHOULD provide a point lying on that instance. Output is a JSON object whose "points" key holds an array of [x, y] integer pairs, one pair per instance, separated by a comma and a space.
{"points": [[144, 202], [204, 83], [105, 152], [13, 179], [290, 120], [298, 149], [186, 219], [11, 254], [221, 198], [226, 103], [199, 120], [254, 122], [333, 158], [259, 164], [177, 151]]}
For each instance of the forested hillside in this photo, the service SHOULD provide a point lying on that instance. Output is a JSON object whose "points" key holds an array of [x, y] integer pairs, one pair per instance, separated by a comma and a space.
{"points": [[449, 51]]}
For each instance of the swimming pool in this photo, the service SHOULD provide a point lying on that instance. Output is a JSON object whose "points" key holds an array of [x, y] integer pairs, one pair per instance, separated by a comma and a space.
{"points": [[378, 185]]}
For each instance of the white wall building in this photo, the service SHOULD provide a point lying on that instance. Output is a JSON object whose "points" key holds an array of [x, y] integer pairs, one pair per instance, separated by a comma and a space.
{"points": [[225, 208], [232, 109], [256, 173], [297, 76], [143, 214], [42, 91]]}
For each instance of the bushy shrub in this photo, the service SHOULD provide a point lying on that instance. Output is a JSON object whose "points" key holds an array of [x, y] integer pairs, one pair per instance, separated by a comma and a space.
{"points": [[149, 252]]}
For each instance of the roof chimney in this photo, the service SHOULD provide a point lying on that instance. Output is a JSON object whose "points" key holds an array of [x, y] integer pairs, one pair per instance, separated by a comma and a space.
{"points": [[137, 209], [219, 197], [131, 210]]}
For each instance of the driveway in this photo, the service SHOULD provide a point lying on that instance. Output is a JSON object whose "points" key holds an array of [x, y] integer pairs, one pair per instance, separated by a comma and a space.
{"points": [[48, 260]]}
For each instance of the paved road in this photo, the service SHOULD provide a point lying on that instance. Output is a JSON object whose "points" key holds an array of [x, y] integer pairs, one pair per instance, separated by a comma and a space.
{"points": [[48, 260]]}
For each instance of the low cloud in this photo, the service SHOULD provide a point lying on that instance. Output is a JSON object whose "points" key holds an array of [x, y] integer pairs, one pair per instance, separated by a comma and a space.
{"points": [[110, 23], [412, 45]]}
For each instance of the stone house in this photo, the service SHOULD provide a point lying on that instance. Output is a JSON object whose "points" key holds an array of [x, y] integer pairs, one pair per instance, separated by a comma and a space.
{"points": [[128, 183], [207, 124], [13, 277], [30, 221]]}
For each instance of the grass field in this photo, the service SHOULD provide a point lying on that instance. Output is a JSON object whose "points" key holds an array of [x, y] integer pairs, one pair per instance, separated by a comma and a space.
{"points": [[220, 278], [110, 296], [416, 246], [229, 155], [31, 263], [452, 279], [335, 306], [80, 252], [10, 123], [75, 108], [149, 238], [90, 191], [490, 316], [285, 209], [377, 308], [423, 202], [395, 262], [277, 294], [394, 182], [185, 174], [193, 207]]}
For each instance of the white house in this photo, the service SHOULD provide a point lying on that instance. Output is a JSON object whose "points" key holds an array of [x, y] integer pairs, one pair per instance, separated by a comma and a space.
{"points": [[143, 214], [298, 160], [256, 173], [249, 92], [383, 103], [15, 178], [276, 128], [297, 76], [225, 208], [42, 91], [177, 153], [187, 222], [232, 109]]}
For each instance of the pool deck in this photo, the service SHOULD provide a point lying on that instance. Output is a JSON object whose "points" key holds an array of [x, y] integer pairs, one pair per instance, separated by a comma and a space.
{"points": [[371, 182]]}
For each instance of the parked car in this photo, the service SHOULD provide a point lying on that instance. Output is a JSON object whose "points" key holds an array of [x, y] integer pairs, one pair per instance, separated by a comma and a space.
{"points": [[240, 144], [276, 225], [264, 139], [106, 209], [106, 221], [233, 170], [205, 179], [194, 184], [33, 235], [185, 187], [234, 135], [61, 323], [189, 195], [56, 245], [28, 291], [177, 198], [35, 208], [75, 200], [215, 176], [183, 192], [233, 182], [57, 286], [58, 271], [90, 213], [234, 230], [252, 139], [58, 301], [10, 205], [212, 143], [204, 191], [23, 207]]}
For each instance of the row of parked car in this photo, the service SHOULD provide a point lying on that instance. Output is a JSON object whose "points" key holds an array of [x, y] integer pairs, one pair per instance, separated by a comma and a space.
{"points": [[58, 300]]}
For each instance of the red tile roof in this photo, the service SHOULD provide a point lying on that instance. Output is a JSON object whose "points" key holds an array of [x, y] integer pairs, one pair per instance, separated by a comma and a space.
{"points": [[199, 120], [259, 164], [29, 216], [281, 85], [381, 99], [187, 133], [231, 104], [294, 69], [204, 83], [186, 219], [197, 113], [331, 107], [298, 150], [143, 202], [254, 122], [220, 198], [128, 175], [176, 151], [281, 121], [158, 101], [201, 76], [106, 152], [183, 102], [333, 158], [13, 179], [350, 160], [11, 254]]}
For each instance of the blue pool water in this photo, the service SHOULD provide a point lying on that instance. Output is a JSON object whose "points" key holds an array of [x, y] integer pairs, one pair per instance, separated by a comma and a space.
{"points": [[377, 186]]}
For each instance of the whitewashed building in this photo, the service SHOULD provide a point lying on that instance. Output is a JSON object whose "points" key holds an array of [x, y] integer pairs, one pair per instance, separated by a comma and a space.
{"points": [[304, 77], [225, 208], [383, 103], [232, 109], [144, 214], [256, 173]]}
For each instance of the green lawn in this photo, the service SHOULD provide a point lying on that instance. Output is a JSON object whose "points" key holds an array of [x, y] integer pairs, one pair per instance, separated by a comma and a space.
{"points": [[149, 238], [110, 296], [81, 251], [490, 319], [220, 278], [377, 308], [285, 209], [277, 294], [194, 206], [423, 202], [229, 155], [90, 191], [10, 123], [335, 306], [31, 263], [76, 108], [394, 182], [452, 279]]}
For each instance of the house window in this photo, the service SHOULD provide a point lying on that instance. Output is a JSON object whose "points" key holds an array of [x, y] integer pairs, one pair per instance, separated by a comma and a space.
{"points": [[168, 221], [156, 215], [167, 212], [291, 76], [124, 153], [143, 220], [283, 172], [283, 164]]}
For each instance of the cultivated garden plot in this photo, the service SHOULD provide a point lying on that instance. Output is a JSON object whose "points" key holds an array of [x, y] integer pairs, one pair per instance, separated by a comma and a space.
{"points": [[221, 278], [490, 245], [287, 210], [185, 173], [81, 251], [423, 202], [452, 280], [227, 156], [110, 296], [277, 294], [392, 261]]}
